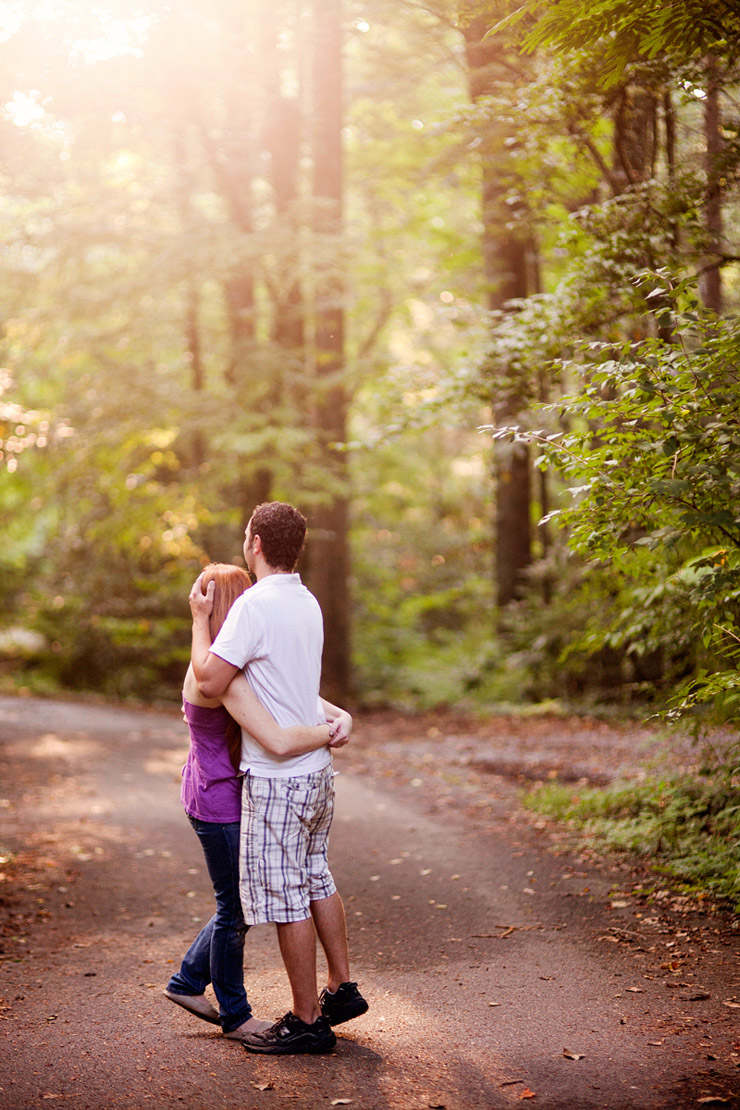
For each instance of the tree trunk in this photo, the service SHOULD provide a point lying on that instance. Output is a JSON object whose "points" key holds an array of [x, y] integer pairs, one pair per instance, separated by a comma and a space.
{"points": [[711, 285], [283, 127], [195, 450], [507, 263], [669, 119], [329, 563], [634, 136]]}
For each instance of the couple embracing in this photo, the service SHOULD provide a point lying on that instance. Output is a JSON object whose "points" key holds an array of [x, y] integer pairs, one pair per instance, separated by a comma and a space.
{"points": [[266, 851]]}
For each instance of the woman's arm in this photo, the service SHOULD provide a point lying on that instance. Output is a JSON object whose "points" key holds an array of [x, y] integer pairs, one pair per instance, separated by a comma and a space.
{"points": [[192, 694], [244, 706], [340, 721], [212, 673]]}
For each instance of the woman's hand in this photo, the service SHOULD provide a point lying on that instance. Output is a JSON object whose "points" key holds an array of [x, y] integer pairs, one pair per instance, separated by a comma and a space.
{"points": [[340, 729]]}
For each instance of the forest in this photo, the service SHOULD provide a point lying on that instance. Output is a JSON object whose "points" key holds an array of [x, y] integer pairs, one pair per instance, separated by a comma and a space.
{"points": [[459, 278]]}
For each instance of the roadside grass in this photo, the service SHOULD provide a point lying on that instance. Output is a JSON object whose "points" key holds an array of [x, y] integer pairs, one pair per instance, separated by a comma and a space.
{"points": [[687, 826]]}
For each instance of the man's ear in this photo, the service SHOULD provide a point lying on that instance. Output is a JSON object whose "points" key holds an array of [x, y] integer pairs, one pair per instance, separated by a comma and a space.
{"points": [[256, 544]]}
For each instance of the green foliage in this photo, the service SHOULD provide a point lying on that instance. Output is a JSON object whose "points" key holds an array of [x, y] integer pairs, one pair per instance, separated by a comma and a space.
{"points": [[619, 31], [689, 825], [649, 450], [656, 442], [139, 198], [418, 592]]}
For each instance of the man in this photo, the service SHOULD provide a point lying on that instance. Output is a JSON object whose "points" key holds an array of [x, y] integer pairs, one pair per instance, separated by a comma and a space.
{"points": [[274, 632]]}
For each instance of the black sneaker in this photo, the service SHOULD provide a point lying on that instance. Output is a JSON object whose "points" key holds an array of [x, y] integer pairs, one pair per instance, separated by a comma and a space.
{"points": [[346, 1003], [290, 1034]]}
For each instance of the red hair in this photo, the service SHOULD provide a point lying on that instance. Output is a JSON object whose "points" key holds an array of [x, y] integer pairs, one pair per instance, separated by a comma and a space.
{"points": [[231, 582]]}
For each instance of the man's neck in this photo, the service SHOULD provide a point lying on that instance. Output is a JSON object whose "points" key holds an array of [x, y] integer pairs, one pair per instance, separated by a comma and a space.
{"points": [[264, 571]]}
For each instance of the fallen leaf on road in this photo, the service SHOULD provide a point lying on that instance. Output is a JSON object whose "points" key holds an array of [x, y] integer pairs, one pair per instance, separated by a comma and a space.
{"points": [[656, 1043], [732, 1005], [264, 1086], [636, 990], [526, 1093], [712, 1098], [572, 1055], [494, 1003], [695, 996], [341, 1101]]}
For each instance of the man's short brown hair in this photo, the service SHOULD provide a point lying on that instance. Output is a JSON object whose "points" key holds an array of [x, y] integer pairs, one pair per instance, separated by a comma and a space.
{"points": [[282, 530]]}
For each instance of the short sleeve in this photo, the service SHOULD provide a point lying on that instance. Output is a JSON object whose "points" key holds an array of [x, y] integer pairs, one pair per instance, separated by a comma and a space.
{"points": [[241, 638]]}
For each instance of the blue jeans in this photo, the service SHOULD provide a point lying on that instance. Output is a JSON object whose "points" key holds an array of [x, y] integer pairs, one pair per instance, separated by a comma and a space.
{"points": [[217, 953]]}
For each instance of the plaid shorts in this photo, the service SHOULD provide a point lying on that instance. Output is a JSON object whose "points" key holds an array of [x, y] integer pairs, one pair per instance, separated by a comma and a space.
{"points": [[283, 862]]}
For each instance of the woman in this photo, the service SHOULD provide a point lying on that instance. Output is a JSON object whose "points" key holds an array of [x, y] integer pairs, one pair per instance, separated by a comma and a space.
{"points": [[211, 797]]}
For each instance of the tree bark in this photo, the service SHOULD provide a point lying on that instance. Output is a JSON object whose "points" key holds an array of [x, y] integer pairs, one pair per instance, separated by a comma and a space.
{"points": [[328, 556], [195, 451], [711, 284], [283, 126], [507, 263]]}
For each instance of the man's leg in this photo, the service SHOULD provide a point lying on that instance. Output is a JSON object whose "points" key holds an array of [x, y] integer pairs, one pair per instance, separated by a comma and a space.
{"points": [[304, 1029], [328, 917], [341, 1001], [297, 941]]}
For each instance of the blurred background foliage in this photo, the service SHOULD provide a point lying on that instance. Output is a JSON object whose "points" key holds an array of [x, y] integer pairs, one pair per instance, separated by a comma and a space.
{"points": [[308, 250]]}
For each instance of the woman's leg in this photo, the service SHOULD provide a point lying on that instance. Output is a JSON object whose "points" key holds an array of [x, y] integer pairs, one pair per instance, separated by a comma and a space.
{"points": [[221, 849], [217, 954], [194, 974]]}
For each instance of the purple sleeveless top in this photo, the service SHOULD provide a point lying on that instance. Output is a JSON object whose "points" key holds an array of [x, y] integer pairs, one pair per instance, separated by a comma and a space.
{"points": [[211, 790]]}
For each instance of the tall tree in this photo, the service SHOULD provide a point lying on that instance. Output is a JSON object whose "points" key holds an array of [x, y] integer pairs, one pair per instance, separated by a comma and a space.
{"points": [[329, 566], [508, 260], [712, 277]]}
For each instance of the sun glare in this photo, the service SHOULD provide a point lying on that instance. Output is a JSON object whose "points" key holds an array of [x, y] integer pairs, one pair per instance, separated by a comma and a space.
{"points": [[24, 109], [89, 32], [111, 37], [10, 21], [98, 33]]}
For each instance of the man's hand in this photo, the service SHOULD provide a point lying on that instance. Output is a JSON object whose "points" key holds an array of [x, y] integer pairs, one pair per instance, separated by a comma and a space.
{"points": [[340, 729], [201, 604]]}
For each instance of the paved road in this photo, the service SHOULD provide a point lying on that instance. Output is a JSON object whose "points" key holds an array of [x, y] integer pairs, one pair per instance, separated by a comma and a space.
{"points": [[497, 971]]}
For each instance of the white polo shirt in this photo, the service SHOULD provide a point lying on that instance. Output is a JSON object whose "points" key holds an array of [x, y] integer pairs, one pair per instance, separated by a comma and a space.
{"points": [[275, 633]]}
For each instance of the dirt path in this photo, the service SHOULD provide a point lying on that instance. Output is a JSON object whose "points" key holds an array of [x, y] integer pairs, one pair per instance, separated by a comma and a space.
{"points": [[499, 967]]}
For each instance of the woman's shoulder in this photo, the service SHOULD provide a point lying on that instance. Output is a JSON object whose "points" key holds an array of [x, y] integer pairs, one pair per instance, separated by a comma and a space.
{"points": [[191, 693]]}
